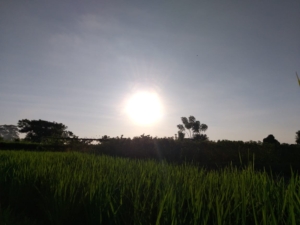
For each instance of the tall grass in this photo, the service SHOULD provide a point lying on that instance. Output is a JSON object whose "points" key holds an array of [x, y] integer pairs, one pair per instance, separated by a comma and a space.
{"points": [[75, 188]]}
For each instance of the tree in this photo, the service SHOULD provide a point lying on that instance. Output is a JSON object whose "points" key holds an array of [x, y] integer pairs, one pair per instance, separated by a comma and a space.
{"points": [[188, 124], [181, 132], [9, 132], [191, 124], [298, 137], [44, 131], [271, 140], [201, 137]]}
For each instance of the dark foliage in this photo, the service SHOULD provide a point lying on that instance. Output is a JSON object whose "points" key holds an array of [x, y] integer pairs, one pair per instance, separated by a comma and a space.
{"points": [[44, 131], [201, 137], [9, 132], [181, 135], [191, 124], [270, 140], [30, 146], [298, 137], [168, 149], [201, 151]]}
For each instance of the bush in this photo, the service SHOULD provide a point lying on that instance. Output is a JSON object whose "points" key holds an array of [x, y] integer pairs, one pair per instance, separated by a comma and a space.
{"points": [[29, 146]]}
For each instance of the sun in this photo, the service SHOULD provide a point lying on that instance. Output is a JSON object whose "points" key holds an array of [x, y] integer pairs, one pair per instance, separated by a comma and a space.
{"points": [[144, 108]]}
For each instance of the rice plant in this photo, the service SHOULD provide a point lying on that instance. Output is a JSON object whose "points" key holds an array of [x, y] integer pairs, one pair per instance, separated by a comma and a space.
{"points": [[76, 188]]}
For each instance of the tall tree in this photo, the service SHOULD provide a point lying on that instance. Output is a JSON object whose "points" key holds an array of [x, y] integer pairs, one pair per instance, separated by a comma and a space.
{"points": [[43, 131], [298, 137], [188, 124], [9, 132], [191, 124], [181, 132]]}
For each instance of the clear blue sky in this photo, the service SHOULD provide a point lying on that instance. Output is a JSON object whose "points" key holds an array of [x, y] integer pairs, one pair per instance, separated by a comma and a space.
{"points": [[231, 64]]}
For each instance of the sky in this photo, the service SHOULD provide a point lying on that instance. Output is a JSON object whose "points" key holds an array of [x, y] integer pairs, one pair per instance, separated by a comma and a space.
{"points": [[231, 64]]}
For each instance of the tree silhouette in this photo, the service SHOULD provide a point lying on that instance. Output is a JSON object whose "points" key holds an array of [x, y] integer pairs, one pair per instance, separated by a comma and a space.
{"points": [[298, 137], [9, 132], [270, 139], [181, 132], [201, 137], [43, 131], [191, 124]]}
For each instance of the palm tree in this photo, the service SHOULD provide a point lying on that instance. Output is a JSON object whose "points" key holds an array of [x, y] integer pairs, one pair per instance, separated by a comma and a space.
{"points": [[188, 124], [191, 124]]}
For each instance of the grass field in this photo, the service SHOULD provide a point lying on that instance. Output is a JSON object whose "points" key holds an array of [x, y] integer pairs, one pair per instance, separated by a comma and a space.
{"points": [[76, 188]]}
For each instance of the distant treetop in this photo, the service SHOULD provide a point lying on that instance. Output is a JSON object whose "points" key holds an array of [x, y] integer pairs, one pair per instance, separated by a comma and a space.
{"points": [[43, 131], [270, 139], [9, 132]]}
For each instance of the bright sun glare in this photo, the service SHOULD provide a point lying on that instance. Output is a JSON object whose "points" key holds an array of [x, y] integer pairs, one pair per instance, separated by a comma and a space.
{"points": [[144, 108]]}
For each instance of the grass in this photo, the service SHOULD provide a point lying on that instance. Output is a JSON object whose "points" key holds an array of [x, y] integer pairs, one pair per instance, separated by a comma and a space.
{"points": [[76, 188]]}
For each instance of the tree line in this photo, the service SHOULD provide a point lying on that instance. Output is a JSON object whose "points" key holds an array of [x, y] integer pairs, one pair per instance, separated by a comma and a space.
{"points": [[46, 132]]}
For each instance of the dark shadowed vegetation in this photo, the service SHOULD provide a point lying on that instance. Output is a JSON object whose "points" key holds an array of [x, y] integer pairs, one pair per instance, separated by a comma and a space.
{"points": [[145, 180], [193, 128], [9, 132], [279, 157], [41, 131], [75, 188]]}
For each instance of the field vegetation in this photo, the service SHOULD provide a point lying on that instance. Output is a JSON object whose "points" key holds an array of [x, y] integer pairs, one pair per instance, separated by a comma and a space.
{"points": [[76, 188]]}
